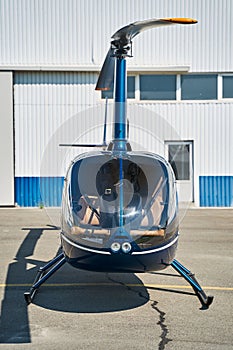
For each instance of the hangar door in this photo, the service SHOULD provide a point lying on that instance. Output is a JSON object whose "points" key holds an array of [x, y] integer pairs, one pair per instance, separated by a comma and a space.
{"points": [[6, 140], [43, 103]]}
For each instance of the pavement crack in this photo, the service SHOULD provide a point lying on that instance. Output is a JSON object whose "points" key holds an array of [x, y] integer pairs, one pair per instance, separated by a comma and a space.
{"points": [[131, 289], [154, 304], [164, 339]]}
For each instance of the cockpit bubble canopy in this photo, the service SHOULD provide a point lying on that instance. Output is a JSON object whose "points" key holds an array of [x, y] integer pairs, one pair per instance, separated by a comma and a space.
{"points": [[113, 199]]}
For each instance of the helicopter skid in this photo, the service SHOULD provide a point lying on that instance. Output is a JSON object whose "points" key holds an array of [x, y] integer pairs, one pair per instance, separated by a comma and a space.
{"points": [[205, 300], [42, 275]]}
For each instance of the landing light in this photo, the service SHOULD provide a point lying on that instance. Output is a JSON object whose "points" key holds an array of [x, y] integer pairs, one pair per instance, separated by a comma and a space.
{"points": [[126, 247], [115, 247]]}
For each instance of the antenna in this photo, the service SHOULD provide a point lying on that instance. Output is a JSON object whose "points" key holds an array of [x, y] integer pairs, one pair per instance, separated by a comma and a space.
{"points": [[101, 145]]}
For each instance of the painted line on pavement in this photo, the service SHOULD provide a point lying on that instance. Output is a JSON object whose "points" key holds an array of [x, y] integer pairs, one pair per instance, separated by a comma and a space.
{"points": [[146, 285]]}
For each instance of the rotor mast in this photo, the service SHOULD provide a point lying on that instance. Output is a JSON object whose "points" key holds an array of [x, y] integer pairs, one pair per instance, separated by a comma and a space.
{"points": [[120, 98]]}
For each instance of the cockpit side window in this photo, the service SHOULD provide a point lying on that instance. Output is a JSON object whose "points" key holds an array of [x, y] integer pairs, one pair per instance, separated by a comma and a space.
{"points": [[75, 194]]}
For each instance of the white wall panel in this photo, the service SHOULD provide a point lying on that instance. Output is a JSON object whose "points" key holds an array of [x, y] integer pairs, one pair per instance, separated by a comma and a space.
{"points": [[51, 108], [208, 124], [76, 33]]}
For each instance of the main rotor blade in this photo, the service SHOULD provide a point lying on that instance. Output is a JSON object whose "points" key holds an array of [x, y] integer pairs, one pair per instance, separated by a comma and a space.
{"points": [[128, 32], [123, 37], [106, 77]]}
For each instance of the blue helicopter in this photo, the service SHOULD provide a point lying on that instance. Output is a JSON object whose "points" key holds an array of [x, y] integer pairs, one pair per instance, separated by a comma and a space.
{"points": [[119, 206]]}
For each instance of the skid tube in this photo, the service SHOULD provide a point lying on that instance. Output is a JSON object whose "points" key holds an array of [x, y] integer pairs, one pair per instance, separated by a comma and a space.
{"points": [[205, 300], [54, 265]]}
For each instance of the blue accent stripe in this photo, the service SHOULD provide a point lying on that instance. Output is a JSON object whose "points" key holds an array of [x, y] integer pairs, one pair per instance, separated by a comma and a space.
{"points": [[36, 191], [216, 191]]}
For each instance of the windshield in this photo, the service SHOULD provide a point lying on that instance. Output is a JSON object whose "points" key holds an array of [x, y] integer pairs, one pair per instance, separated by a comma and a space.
{"points": [[112, 199]]}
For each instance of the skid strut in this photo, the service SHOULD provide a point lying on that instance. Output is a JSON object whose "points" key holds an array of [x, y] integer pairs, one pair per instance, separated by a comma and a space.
{"points": [[42, 275], [190, 278]]}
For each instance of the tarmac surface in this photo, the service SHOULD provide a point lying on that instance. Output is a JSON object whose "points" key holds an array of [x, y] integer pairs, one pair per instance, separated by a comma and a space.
{"points": [[85, 310]]}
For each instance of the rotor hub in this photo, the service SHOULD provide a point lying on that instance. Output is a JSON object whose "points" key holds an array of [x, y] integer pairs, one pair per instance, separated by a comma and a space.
{"points": [[120, 48]]}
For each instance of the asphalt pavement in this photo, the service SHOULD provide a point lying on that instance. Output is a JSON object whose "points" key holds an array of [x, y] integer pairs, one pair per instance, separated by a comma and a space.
{"points": [[85, 310]]}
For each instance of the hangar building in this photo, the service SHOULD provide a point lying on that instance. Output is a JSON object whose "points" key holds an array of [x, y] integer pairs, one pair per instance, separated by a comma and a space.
{"points": [[180, 89]]}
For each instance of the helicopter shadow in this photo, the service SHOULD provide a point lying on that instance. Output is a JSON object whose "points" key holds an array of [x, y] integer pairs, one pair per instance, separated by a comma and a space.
{"points": [[69, 290], [79, 291], [74, 290]]}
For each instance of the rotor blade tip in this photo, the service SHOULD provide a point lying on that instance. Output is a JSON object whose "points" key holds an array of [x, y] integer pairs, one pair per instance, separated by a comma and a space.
{"points": [[102, 89], [181, 20]]}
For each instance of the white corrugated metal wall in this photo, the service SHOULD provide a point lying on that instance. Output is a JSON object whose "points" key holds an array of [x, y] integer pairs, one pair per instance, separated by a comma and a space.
{"points": [[77, 32], [56, 35], [43, 103], [208, 124]]}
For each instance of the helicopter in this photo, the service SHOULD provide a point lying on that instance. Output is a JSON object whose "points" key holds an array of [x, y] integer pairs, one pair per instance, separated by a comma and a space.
{"points": [[119, 206]]}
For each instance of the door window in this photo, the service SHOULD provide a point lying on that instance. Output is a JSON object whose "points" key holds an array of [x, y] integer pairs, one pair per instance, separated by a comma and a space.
{"points": [[179, 158]]}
